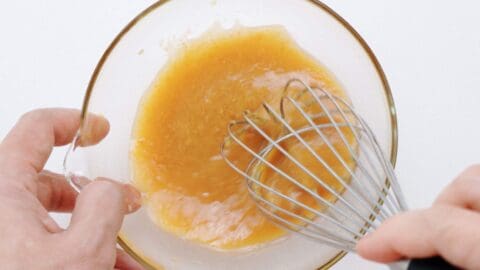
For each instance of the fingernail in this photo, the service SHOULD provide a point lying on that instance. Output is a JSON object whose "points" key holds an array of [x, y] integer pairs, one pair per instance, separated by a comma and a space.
{"points": [[94, 129], [80, 181], [133, 198]]}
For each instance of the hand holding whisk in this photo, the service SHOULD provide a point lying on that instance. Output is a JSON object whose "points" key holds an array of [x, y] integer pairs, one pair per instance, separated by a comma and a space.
{"points": [[317, 169]]}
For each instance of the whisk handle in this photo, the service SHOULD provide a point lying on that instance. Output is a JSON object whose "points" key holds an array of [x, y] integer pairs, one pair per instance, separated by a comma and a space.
{"points": [[434, 263]]}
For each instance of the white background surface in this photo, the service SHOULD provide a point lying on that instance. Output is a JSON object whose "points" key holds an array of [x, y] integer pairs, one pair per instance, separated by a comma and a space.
{"points": [[430, 51]]}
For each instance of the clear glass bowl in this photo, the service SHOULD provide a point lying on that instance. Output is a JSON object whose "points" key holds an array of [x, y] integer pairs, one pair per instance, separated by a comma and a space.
{"points": [[140, 50]]}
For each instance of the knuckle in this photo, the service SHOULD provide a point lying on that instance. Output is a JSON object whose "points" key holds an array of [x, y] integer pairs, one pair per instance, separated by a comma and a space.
{"points": [[450, 241], [39, 119], [444, 231], [34, 115], [102, 186], [106, 193]]}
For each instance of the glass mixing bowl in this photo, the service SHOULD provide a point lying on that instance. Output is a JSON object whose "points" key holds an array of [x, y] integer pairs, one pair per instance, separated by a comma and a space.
{"points": [[138, 53]]}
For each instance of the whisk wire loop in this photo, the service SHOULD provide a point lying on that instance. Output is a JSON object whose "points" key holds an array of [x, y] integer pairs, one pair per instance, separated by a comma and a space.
{"points": [[281, 173], [367, 191]]}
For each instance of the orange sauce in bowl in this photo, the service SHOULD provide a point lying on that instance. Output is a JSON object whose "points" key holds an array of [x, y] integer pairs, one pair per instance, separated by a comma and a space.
{"points": [[182, 120]]}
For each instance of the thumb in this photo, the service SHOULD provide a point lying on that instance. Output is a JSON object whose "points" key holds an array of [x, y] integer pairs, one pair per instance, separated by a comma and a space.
{"points": [[99, 211]]}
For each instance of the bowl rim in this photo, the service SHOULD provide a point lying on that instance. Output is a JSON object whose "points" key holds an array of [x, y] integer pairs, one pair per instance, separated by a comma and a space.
{"points": [[122, 241]]}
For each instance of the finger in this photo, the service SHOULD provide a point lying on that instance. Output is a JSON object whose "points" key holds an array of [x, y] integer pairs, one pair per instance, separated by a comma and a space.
{"points": [[464, 191], [450, 232], [125, 262], [99, 212], [55, 193], [133, 199], [30, 142]]}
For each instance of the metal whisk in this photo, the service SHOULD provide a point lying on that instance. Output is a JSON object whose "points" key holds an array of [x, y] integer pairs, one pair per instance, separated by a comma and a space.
{"points": [[316, 168]]}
